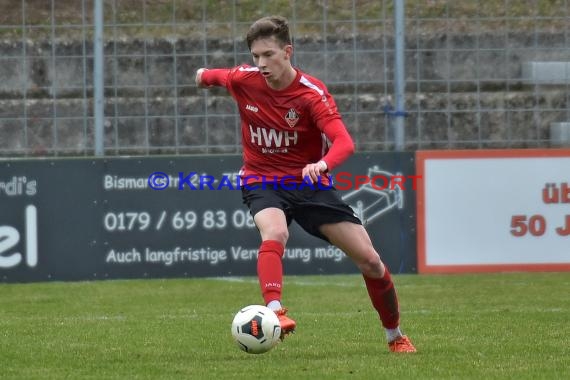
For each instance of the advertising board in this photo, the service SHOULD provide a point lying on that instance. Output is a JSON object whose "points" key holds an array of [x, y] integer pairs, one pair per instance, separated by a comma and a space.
{"points": [[183, 216]]}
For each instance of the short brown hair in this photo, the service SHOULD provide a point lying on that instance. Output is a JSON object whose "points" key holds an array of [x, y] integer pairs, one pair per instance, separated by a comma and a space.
{"points": [[269, 26]]}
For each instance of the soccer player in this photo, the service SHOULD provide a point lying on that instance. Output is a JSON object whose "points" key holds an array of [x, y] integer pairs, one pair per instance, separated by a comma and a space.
{"points": [[292, 135]]}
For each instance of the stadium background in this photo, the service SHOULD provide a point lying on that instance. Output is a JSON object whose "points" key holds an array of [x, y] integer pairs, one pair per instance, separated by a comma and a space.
{"points": [[478, 75], [465, 89], [465, 82]]}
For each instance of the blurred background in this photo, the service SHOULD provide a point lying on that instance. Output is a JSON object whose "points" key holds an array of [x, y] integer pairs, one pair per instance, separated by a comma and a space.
{"points": [[479, 74]]}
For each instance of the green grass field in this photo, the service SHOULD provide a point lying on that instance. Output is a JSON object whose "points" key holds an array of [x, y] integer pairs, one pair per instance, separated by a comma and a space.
{"points": [[488, 326]]}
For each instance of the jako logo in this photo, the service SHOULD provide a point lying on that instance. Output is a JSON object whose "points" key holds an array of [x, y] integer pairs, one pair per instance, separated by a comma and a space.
{"points": [[254, 327], [10, 237]]}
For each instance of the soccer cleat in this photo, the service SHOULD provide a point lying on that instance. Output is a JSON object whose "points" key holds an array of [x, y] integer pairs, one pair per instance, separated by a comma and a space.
{"points": [[401, 344], [287, 324]]}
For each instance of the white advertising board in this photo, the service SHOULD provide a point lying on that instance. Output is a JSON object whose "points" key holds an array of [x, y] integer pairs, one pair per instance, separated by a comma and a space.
{"points": [[494, 210]]}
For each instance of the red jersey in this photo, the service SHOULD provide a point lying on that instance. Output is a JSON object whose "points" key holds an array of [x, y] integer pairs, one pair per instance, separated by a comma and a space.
{"points": [[283, 130]]}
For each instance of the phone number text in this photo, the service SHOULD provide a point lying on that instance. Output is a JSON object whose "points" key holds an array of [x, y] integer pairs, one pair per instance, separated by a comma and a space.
{"points": [[114, 221]]}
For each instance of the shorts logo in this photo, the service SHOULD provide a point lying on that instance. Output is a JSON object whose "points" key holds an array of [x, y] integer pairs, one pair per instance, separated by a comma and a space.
{"points": [[292, 117]]}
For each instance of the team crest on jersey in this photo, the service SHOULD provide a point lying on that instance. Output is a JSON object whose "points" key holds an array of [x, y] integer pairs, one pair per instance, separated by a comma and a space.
{"points": [[292, 117]]}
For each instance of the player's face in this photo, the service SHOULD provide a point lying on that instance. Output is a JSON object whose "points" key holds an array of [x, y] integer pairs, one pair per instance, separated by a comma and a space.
{"points": [[273, 61]]}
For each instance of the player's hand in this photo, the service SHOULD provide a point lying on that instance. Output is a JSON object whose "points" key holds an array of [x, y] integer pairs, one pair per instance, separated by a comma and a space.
{"points": [[198, 78], [314, 171]]}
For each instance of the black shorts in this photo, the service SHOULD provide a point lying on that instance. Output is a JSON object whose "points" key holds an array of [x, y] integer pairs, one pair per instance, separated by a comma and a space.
{"points": [[309, 207]]}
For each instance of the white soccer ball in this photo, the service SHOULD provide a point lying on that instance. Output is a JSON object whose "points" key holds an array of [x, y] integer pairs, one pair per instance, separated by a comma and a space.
{"points": [[256, 329]]}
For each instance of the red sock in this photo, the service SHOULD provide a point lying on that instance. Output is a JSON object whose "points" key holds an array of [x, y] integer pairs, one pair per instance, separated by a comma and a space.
{"points": [[384, 299], [270, 269]]}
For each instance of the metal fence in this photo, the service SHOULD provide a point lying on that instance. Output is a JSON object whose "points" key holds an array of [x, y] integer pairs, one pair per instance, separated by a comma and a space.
{"points": [[479, 74]]}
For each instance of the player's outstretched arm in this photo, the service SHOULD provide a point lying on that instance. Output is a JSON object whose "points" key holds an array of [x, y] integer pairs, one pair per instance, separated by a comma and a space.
{"points": [[198, 78], [206, 78]]}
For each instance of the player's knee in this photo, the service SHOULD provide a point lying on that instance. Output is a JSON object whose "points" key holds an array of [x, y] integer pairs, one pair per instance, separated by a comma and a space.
{"points": [[371, 266], [276, 233], [282, 236]]}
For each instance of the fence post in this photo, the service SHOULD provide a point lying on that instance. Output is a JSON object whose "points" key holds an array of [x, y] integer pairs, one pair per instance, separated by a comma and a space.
{"points": [[98, 79], [399, 74]]}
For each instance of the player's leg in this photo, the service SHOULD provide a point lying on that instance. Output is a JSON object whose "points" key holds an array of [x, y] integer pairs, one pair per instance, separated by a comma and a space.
{"points": [[353, 239], [267, 206], [272, 225]]}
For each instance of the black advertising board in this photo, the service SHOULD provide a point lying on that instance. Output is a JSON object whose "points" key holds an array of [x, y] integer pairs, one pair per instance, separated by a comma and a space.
{"points": [[100, 218]]}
